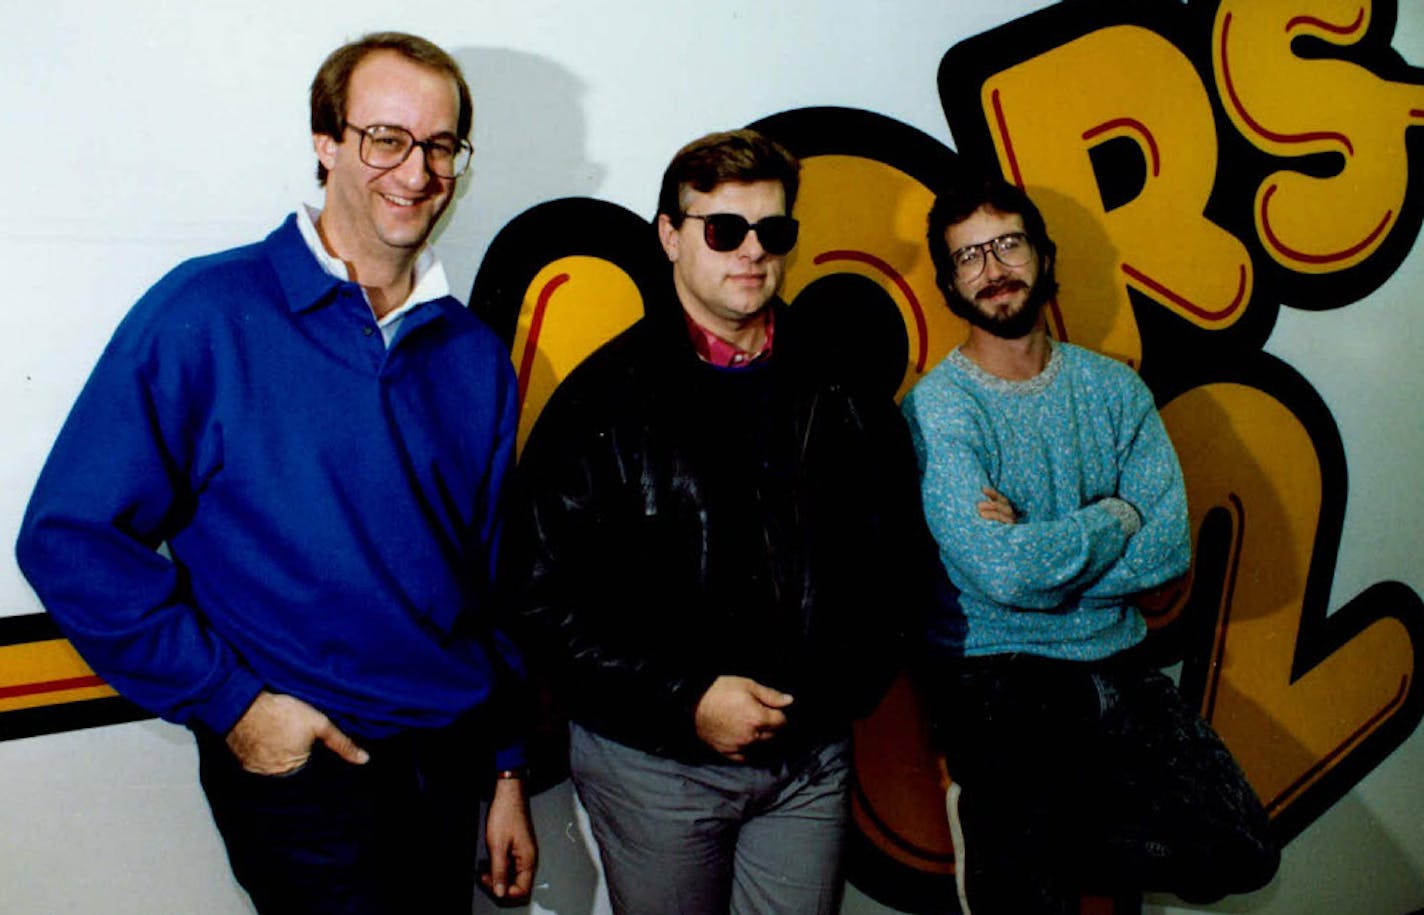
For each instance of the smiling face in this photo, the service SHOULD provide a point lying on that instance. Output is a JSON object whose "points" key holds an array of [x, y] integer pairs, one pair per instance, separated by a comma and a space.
{"points": [[1005, 301], [725, 290], [376, 214]]}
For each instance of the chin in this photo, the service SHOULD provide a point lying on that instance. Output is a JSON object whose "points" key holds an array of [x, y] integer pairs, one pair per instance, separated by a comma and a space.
{"points": [[749, 305], [757, 308], [1014, 322], [1013, 327], [407, 236], [408, 227]]}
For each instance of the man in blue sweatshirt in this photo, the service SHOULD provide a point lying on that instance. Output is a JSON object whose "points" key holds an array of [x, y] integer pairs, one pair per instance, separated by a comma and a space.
{"points": [[319, 434], [1056, 498]]}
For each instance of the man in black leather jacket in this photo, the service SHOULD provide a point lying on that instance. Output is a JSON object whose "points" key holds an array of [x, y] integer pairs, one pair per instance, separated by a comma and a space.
{"points": [[719, 539]]}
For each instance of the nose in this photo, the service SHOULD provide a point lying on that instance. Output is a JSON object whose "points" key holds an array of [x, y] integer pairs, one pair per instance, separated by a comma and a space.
{"points": [[751, 247], [413, 172], [992, 268]]}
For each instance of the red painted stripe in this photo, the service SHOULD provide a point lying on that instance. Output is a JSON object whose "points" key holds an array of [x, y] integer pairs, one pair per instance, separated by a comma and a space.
{"points": [[916, 309], [1253, 123], [1185, 304], [1305, 258], [1015, 174], [1060, 327], [1223, 621], [1325, 26], [1329, 760], [1136, 126], [49, 686], [536, 326]]}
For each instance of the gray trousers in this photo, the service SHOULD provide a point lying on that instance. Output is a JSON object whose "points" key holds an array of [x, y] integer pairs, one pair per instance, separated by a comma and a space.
{"points": [[718, 838]]}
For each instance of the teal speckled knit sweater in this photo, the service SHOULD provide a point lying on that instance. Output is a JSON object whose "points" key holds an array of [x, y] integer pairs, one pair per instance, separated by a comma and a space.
{"points": [[1058, 583]]}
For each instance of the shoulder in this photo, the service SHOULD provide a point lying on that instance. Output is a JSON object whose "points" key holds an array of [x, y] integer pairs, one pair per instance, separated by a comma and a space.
{"points": [[202, 280], [616, 369], [608, 386], [1111, 376], [470, 329], [196, 296], [1090, 362], [238, 283], [940, 394]]}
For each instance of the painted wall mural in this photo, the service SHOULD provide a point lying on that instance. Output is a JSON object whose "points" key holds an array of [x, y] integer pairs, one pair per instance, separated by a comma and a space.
{"points": [[1204, 166], [1201, 165]]}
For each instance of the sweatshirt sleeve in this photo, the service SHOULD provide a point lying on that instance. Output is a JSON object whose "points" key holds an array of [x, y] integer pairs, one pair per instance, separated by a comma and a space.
{"points": [[119, 481], [1149, 479], [1031, 565], [512, 692]]}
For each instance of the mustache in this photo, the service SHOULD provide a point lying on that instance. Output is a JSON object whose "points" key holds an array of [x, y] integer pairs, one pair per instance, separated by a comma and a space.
{"points": [[1008, 284]]}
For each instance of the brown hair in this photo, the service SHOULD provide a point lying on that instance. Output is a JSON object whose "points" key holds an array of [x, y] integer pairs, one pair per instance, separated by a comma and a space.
{"points": [[968, 193], [732, 155], [329, 87]]}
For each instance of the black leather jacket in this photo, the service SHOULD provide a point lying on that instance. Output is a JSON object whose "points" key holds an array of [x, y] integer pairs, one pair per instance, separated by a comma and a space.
{"points": [[656, 543]]}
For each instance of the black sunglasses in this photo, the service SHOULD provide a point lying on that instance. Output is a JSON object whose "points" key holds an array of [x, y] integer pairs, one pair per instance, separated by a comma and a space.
{"points": [[726, 231]]}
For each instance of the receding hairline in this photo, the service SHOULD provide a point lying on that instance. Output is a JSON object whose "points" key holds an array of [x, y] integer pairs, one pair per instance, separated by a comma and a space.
{"points": [[402, 57]]}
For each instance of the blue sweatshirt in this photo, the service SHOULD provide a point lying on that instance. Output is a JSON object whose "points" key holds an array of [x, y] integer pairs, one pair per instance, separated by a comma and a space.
{"points": [[330, 506], [1063, 447]]}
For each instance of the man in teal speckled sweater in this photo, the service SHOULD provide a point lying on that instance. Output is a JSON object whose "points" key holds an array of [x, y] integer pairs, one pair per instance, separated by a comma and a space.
{"points": [[1056, 498]]}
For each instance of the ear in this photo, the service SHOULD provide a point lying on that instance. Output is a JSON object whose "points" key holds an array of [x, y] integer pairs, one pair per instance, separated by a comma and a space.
{"points": [[325, 146], [669, 237]]}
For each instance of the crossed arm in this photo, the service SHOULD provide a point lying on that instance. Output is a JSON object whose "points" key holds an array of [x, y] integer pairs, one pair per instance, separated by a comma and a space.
{"points": [[1114, 541]]}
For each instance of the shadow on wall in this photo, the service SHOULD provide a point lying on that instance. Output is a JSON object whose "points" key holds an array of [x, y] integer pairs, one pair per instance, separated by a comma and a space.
{"points": [[529, 138], [1314, 862]]}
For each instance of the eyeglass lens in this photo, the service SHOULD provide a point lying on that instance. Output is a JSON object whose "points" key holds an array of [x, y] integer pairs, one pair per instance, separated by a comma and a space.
{"points": [[726, 231], [1011, 250], [387, 146]]}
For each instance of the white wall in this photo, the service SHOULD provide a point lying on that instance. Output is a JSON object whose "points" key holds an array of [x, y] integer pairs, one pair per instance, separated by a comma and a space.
{"points": [[138, 133]]}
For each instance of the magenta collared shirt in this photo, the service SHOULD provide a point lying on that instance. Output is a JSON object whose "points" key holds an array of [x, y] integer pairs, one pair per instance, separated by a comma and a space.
{"points": [[716, 351]]}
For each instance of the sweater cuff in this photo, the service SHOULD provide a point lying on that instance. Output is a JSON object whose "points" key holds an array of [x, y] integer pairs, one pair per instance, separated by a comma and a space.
{"points": [[510, 757], [1125, 514], [230, 702]]}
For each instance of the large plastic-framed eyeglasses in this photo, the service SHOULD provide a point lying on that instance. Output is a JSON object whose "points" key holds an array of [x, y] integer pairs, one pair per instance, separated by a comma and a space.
{"points": [[386, 146], [1012, 250]]}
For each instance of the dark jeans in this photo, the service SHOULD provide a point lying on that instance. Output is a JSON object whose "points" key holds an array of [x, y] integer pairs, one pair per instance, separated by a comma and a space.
{"points": [[396, 835], [1073, 776]]}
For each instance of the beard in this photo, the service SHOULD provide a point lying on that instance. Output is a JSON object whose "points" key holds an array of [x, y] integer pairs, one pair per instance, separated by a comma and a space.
{"points": [[1014, 325]]}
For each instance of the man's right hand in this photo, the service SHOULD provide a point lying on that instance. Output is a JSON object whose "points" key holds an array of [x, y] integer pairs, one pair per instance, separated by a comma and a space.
{"points": [[997, 507], [276, 734], [737, 712]]}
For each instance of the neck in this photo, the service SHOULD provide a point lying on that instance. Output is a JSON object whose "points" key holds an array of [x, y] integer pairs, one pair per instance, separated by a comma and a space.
{"points": [[387, 278], [747, 334], [1012, 360]]}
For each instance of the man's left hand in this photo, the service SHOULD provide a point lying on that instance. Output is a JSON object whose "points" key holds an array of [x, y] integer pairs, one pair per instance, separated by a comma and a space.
{"points": [[510, 836]]}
